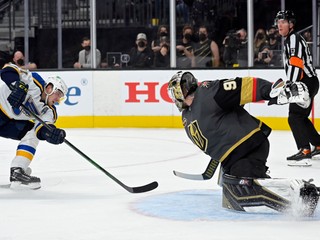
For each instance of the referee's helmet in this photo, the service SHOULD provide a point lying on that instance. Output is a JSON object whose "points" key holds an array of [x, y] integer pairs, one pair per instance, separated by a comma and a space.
{"points": [[287, 15]]}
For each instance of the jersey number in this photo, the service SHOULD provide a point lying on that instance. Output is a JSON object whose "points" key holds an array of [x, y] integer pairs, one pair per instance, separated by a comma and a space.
{"points": [[229, 85]]}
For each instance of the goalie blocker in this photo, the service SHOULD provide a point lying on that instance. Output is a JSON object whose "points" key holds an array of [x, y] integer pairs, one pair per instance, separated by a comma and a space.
{"points": [[264, 195]]}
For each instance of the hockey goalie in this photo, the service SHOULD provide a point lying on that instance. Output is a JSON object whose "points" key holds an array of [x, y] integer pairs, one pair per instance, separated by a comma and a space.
{"points": [[215, 120]]}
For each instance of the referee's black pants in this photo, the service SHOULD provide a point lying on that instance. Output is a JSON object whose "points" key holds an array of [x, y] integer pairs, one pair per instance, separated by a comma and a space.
{"points": [[302, 128]]}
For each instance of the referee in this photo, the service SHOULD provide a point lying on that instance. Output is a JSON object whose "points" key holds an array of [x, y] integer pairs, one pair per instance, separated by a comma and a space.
{"points": [[297, 61]]}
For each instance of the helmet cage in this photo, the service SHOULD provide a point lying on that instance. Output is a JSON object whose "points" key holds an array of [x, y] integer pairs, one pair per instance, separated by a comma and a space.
{"points": [[180, 86]]}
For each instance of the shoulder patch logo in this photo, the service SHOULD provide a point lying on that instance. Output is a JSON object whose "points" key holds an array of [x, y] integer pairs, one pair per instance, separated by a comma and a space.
{"points": [[205, 84]]}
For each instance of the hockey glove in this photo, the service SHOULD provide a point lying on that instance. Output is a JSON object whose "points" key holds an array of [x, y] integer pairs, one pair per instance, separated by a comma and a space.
{"points": [[292, 93], [54, 135], [18, 94], [277, 87]]}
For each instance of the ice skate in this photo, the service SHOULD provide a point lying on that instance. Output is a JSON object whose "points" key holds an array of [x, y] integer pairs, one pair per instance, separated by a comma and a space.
{"points": [[20, 179], [315, 153], [301, 159]]}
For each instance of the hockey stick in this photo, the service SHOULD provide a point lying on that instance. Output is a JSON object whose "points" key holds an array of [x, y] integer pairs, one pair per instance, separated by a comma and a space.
{"points": [[207, 174], [140, 189]]}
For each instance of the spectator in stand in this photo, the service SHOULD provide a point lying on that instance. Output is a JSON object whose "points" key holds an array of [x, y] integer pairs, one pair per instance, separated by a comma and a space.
{"points": [[18, 59], [243, 48], [141, 56], [185, 48], [84, 60], [235, 52], [264, 57], [274, 58], [206, 51], [307, 36], [270, 54], [259, 44], [162, 57], [162, 35]]}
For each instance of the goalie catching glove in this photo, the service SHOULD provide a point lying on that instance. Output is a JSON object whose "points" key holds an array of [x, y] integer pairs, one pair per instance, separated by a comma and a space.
{"points": [[18, 94], [289, 92], [53, 135]]}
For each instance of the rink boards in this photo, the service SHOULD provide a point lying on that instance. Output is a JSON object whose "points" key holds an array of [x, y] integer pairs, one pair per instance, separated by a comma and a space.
{"points": [[134, 98]]}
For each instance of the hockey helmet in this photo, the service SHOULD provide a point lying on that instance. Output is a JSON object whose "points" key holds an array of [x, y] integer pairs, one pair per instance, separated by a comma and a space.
{"points": [[181, 85], [57, 85], [287, 15]]}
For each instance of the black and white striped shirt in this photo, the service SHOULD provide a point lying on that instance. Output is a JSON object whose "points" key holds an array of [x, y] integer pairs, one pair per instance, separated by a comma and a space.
{"points": [[297, 58]]}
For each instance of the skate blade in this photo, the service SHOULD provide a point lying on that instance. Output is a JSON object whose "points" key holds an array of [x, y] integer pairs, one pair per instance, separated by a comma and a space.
{"points": [[20, 186], [316, 157], [300, 163]]}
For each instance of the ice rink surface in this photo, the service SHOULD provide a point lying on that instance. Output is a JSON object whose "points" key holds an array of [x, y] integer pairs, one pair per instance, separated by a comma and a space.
{"points": [[79, 202]]}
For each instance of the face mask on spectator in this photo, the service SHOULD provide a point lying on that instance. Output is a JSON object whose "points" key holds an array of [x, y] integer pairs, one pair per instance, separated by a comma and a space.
{"points": [[260, 35], [272, 36], [188, 36], [20, 62], [87, 48], [202, 37], [141, 44], [163, 34]]}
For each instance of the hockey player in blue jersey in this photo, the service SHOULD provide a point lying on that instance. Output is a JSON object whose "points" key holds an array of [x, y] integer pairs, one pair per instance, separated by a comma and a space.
{"points": [[19, 86]]}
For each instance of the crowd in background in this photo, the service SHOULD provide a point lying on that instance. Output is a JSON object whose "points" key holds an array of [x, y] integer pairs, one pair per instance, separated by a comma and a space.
{"points": [[197, 49], [206, 38], [201, 43]]}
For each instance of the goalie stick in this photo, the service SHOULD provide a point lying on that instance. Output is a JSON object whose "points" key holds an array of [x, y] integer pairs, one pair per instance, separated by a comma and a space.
{"points": [[207, 174], [139, 189]]}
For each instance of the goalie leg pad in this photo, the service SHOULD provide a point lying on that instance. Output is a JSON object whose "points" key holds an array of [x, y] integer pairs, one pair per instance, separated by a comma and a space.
{"points": [[246, 194], [297, 197]]}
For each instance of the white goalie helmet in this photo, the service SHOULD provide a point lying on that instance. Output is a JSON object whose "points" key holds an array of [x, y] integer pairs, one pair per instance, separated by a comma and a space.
{"points": [[57, 85]]}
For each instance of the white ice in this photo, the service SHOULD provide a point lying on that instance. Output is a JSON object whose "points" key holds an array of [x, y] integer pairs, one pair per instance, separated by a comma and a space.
{"points": [[79, 202]]}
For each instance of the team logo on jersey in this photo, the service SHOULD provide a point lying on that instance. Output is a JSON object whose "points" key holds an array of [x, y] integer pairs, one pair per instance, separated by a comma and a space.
{"points": [[197, 136]]}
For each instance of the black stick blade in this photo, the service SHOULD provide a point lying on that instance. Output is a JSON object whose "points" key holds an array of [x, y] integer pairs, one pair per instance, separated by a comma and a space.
{"points": [[142, 189]]}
